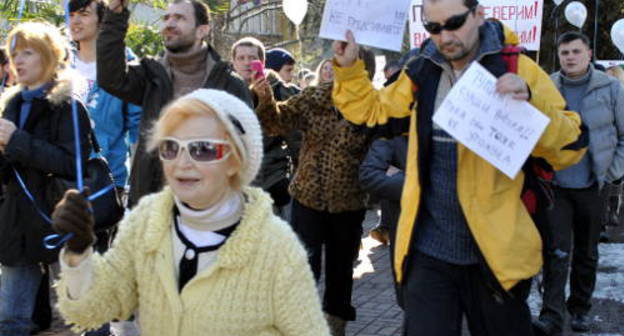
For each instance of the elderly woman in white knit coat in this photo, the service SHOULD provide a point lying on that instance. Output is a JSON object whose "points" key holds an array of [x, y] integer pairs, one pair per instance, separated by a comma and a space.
{"points": [[206, 255]]}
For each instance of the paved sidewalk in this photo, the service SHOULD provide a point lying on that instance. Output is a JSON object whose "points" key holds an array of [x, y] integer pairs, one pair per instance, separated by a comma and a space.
{"points": [[378, 313], [373, 290]]}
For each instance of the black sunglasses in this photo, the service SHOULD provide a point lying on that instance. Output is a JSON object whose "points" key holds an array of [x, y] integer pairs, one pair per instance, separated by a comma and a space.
{"points": [[453, 23]]}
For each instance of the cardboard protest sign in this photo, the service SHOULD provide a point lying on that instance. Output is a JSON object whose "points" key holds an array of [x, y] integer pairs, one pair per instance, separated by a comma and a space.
{"points": [[523, 16], [374, 23], [501, 130]]}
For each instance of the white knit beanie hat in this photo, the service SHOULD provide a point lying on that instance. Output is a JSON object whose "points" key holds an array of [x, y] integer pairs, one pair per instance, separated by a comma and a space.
{"points": [[241, 123]]}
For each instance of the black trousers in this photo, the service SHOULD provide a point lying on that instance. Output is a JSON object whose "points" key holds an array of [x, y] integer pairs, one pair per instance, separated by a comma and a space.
{"points": [[575, 224], [339, 234], [436, 296], [42, 313], [279, 192]]}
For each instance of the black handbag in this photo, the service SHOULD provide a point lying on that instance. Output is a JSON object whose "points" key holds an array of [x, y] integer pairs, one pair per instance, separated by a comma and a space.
{"points": [[107, 208]]}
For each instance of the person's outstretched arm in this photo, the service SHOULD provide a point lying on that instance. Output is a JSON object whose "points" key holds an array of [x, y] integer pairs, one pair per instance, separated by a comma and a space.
{"points": [[355, 96], [293, 114], [114, 74]]}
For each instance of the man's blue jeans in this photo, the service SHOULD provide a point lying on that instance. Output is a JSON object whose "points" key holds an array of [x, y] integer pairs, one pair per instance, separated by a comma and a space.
{"points": [[18, 290]]}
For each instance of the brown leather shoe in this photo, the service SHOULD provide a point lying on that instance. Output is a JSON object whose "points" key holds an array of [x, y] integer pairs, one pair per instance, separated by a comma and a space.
{"points": [[380, 234]]}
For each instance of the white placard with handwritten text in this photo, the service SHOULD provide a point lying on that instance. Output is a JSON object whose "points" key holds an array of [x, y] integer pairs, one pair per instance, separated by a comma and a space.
{"points": [[501, 130], [375, 23]]}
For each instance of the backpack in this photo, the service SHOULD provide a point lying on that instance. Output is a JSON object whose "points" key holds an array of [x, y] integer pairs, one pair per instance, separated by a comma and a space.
{"points": [[537, 191]]}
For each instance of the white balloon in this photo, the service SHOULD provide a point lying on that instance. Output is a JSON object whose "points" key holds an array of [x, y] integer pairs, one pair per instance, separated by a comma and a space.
{"points": [[576, 13], [557, 2], [617, 34], [295, 10]]}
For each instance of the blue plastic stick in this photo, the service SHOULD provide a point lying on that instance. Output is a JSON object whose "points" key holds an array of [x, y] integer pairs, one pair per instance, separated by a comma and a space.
{"points": [[55, 241], [30, 196], [79, 178], [51, 242], [101, 192]]}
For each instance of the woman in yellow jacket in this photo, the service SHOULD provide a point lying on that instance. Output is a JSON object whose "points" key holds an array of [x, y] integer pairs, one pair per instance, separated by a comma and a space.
{"points": [[205, 256]]}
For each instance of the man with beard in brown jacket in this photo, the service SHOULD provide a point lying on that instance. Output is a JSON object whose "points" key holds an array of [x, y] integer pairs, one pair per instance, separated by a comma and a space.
{"points": [[189, 63]]}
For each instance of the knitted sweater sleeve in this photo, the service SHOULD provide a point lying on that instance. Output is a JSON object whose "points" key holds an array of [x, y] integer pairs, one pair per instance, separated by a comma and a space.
{"points": [[112, 293], [296, 302], [78, 278]]}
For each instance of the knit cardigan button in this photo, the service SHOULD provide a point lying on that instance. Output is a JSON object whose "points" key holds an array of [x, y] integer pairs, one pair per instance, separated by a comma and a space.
{"points": [[189, 254]]}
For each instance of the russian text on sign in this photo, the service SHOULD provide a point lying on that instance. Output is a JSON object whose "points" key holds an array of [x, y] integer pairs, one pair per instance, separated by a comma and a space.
{"points": [[501, 130], [522, 16], [375, 23]]}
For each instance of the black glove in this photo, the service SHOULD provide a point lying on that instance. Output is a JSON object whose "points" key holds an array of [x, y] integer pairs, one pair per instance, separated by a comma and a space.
{"points": [[73, 215]]}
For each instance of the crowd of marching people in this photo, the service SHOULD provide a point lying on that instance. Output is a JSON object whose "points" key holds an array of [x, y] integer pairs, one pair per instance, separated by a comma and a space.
{"points": [[245, 180]]}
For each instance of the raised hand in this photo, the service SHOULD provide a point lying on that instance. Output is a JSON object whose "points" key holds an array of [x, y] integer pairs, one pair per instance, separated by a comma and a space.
{"points": [[73, 215], [7, 128], [513, 84], [117, 6], [262, 89], [346, 53]]}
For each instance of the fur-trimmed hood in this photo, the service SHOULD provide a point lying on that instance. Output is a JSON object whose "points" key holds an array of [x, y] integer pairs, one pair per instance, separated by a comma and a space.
{"points": [[67, 84]]}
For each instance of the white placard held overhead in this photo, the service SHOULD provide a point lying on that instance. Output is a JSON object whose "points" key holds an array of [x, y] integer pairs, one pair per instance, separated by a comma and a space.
{"points": [[523, 16], [501, 130], [375, 23]]}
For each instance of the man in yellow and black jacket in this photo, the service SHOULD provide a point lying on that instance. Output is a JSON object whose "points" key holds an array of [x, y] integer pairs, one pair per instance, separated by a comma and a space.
{"points": [[465, 243]]}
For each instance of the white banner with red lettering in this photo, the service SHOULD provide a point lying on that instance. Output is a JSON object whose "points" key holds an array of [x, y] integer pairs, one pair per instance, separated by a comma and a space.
{"points": [[523, 16]]}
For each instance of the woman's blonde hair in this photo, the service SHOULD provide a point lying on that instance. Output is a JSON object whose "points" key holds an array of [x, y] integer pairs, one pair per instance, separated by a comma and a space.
{"points": [[617, 72], [319, 78], [182, 110], [46, 40]]}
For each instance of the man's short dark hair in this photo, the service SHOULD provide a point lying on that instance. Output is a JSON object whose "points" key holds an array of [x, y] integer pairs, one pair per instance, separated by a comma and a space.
{"points": [[77, 5], [570, 36], [202, 11], [471, 3], [467, 3], [249, 42]]}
